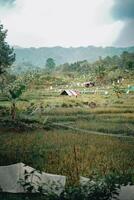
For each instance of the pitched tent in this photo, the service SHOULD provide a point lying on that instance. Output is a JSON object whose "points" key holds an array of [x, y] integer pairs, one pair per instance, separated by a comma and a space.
{"points": [[11, 178], [130, 89], [70, 93]]}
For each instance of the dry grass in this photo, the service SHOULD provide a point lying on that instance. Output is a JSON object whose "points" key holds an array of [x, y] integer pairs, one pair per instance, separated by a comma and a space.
{"points": [[67, 153]]}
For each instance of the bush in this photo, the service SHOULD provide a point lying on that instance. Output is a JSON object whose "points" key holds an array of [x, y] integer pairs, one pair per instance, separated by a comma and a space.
{"points": [[20, 124], [64, 105], [4, 111]]}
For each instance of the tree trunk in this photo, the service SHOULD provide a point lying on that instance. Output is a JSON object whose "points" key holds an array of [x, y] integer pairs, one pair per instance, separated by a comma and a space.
{"points": [[2, 82], [13, 111]]}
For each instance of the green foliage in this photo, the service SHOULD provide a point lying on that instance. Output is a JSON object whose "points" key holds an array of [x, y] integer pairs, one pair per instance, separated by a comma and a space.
{"points": [[20, 124], [36, 56], [103, 189], [104, 70], [99, 72], [13, 92], [114, 75], [50, 64], [7, 57], [16, 92], [117, 90], [127, 60]]}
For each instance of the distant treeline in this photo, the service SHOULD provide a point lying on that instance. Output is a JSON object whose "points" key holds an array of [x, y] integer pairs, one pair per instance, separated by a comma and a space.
{"points": [[38, 56], [125, 60]]}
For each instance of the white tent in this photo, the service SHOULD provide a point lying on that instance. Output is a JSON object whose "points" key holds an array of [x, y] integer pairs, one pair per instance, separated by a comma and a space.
{"points": [[13, 176], [69, 93]]}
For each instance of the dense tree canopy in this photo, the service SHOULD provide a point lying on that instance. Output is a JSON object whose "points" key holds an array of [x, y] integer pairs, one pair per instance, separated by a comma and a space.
{"points": [[7, 56], [50, 64]]}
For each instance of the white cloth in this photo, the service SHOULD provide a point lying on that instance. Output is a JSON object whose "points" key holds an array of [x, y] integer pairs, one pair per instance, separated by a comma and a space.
{"points": [[53, 183], [127, 193], [11, 178]]}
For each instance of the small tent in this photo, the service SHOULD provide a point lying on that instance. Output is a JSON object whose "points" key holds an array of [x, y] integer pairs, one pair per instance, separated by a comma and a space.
{"points": [[70, 93], [13, 176], [130, 89]]}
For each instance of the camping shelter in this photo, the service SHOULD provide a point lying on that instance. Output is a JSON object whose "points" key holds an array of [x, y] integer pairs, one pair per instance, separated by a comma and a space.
{"points": [[130, 89], [70, 93]]}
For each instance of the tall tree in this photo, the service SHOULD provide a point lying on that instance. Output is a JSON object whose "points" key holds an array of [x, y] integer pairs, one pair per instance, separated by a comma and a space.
{"points": [[50, 64], [7, 56], [99, 72]]}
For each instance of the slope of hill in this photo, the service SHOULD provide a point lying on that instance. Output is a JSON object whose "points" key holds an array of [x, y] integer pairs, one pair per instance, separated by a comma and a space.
{"points": [[38, 56]]}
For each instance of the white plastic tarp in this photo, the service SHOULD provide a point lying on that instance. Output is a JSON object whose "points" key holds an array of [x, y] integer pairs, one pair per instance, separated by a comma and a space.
{"points": [[9, 177], [127, 193], [12, 177]]}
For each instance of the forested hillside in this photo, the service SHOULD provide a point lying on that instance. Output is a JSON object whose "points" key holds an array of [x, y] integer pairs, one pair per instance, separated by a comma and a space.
{"points": [[38, 56]]}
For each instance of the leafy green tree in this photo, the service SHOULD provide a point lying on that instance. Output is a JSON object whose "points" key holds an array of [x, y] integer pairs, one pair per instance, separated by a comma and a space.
{"points": [[50, 64], [127, 60], [114, 75], [14, 93], [7, 56], [99, 72], [117, 90], [6, 79]]}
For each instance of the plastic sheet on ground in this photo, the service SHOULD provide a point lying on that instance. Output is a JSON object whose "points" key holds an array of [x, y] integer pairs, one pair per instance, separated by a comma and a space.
{"points": [[127, 193], [13, 176]]}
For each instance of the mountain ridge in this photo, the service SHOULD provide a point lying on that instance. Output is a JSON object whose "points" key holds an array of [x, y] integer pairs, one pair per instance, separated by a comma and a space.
{"points": [[37, 56]]}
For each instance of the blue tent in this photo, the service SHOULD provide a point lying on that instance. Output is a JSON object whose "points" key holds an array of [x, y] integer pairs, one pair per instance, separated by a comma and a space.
{"points": [[130, 89]]}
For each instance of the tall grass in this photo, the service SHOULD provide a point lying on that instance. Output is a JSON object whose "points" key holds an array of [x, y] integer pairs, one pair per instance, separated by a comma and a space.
{"points": [[67, 153]]}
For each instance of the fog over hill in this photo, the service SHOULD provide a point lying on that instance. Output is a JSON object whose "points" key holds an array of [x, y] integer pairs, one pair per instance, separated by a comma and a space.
{"points": [[38, 56]]}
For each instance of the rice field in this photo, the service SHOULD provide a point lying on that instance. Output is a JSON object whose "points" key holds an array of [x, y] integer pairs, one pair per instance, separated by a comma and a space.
{"points": [[68, 153], [60, 149]]}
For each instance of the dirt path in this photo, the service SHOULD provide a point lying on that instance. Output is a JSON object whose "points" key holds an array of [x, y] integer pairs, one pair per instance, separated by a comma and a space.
{"points": [[91, 132]]}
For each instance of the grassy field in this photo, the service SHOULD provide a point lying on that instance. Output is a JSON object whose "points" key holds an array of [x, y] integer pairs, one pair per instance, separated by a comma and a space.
{"points": [[68, 153], [67, 143]]}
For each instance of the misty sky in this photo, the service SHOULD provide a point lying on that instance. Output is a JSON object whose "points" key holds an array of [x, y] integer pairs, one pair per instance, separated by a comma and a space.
{"points": [[68, 23]]}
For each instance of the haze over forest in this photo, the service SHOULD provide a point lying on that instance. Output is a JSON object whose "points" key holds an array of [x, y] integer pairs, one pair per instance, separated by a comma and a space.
{"points": [[61, 55]]}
